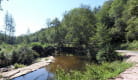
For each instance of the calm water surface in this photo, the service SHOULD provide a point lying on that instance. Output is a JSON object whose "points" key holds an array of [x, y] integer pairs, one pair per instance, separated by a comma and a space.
{"points": [[40, 74], [47, 73]]}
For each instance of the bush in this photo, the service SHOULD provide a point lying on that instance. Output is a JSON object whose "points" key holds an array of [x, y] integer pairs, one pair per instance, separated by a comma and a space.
{"points": [[107, 54], [124, 46], [133, 45], [4, 59], [39, 44], [36, 44], [16, 65], [24, 55], [39, 50]]}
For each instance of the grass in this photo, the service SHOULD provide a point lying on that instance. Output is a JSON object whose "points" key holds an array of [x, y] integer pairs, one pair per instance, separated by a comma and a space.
{"points": [[16, 65], [134, 50], [94, 71], [1, 76], [130, 45]]}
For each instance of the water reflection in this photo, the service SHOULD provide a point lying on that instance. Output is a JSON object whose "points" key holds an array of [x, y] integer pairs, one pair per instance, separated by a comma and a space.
{"points": [[40, 74], [68, 63]]}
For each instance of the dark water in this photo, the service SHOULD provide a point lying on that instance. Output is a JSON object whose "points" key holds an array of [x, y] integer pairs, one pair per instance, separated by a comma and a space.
{"points": [[65, 62], [68, 63]]}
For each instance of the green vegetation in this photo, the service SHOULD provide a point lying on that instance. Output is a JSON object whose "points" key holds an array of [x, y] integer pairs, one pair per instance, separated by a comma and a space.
{"points": [[24, 55], [133, 45], [103, 71], [16, 65], [100, 31], [130, 45], [0, 76], [21, 54]]}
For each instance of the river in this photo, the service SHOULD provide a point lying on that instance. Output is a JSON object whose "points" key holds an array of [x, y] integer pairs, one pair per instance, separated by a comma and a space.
{"points": [[65, 62]]}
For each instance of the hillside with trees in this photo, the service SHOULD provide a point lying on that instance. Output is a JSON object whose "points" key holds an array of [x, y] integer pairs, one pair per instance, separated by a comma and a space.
{"points": [[113, 25], [85, 25], [100, 30]]}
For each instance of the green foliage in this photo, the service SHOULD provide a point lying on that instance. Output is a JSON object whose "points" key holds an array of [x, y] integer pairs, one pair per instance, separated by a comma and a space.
{"points": [[103, 15], [102, 36], [105, 50], [133, 45], [116, 19], [16, 65], [94, 72], [4, 59], [107, 54], [24, 55], [133, 8], [1, 76], [116, 8], [80, 24], [100, 31], [36, 44], [132, 29]]}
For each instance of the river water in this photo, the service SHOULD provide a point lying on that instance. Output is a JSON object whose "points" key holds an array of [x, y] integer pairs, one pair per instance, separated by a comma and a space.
{"points": [[40, 74], [65, 62]]}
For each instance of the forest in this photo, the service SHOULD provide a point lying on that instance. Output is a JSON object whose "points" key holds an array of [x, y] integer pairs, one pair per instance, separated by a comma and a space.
{"points": [[101, 31]]}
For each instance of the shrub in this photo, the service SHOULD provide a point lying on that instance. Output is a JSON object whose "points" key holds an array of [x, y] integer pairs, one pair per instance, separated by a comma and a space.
{"points": [[1, 76], [39, 50], [133, 45], [24, 55], [16, 65], [4, 59], [124, 46], [36, 44], [107, 54]]}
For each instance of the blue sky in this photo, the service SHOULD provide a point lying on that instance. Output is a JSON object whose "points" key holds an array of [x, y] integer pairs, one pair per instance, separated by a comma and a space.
{"points": [[32, 14]]}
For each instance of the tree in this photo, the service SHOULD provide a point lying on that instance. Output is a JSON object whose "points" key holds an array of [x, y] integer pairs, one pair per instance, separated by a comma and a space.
{"points": [[103, 15], [56, 24], [132, 20], [105, 50], [101, 37], [132, 29], [9, 28], [96, 9], [80, 24], [117, 8]]}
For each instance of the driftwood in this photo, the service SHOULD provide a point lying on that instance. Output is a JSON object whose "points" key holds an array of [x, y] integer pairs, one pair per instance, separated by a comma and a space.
{"points": [[22, 71]]}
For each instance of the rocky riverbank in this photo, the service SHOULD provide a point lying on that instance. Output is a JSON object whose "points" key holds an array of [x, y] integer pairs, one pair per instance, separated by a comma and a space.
{"points": [[21, 71]]}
